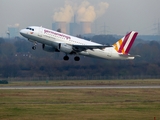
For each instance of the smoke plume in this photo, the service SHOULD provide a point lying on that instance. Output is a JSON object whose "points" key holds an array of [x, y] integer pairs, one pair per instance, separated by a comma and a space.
{"points": [[64, 14], [102, 7], [85, 12]]}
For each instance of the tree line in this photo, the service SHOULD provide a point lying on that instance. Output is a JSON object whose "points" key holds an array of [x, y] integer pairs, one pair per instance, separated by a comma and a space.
{"points": [[17, 59]]}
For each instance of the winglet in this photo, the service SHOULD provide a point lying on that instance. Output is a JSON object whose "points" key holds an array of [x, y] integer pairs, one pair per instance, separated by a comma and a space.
{"points": [[124, 44]]}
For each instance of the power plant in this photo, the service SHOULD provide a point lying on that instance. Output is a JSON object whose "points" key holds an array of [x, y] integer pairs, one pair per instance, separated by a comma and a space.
{"points": [[82, 15], [85, 27], [73, 28], [60, 25]]}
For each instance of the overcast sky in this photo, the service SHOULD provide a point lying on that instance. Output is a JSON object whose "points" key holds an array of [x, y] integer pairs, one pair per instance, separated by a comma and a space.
{"points": [[119, 17]]}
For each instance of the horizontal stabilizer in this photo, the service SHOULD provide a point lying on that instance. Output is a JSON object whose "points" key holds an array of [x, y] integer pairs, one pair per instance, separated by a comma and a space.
{"points": [[128, 55]]}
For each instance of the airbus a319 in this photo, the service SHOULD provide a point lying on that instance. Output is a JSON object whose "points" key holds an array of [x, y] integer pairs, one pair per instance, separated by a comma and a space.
{"points": [[53, 41]]}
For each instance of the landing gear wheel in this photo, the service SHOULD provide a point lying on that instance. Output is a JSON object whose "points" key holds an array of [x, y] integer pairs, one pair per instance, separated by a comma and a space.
{"points": [[34, 47], [77, 58], [66, 58]]}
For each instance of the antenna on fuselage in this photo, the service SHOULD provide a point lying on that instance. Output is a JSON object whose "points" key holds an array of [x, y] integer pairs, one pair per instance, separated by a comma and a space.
{"points": [[59, 30]]}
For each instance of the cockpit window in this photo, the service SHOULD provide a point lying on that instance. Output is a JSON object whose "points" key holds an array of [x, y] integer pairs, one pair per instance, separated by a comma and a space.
{"points": [[30, 28]]}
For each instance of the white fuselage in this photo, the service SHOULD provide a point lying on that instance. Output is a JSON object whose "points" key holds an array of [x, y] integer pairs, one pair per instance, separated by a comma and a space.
{"points": [[52, 38]]}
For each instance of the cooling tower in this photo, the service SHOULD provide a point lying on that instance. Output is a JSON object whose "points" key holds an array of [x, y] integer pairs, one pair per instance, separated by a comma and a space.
{"points": [[60, 25], [85, 27]]}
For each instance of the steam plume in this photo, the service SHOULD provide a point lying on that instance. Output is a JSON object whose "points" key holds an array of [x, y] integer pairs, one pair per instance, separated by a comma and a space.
{"points": [[102, 7], [85, 12], [64, 15]]}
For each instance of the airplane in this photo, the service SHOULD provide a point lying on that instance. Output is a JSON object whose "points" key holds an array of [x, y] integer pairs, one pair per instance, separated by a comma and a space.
{"points": [[53, 41]]}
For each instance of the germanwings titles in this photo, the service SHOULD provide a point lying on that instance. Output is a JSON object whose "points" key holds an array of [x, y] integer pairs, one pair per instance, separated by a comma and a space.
{"points": [[53, 41]]}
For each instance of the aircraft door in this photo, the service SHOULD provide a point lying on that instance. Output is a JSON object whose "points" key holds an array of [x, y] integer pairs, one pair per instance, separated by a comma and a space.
{"points": [[40, 32]]}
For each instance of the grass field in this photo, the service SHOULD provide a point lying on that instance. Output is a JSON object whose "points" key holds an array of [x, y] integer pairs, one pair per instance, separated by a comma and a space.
{"points": [[80, 104]]}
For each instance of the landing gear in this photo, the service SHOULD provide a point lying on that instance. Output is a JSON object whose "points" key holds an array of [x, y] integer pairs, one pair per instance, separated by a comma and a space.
{"points": [[34, 47], [76, 58], [66, 58]]}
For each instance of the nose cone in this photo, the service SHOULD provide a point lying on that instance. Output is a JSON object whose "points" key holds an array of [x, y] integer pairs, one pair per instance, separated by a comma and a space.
{"points": [[23, 32]]}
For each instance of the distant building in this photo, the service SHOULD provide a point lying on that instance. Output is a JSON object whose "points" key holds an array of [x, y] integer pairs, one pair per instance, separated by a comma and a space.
{"points": [[13, 32], [74, 29], [85, 27], [80, 28]]}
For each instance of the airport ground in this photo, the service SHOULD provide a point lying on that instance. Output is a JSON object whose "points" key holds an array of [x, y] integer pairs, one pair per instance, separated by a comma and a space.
{"points": [[81, 104]]}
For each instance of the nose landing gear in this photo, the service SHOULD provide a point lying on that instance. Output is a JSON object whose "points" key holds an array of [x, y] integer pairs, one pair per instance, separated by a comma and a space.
{"points": [[34, 46]]}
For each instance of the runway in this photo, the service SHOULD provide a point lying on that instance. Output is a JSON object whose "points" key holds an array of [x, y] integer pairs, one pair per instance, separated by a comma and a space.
{"points": [[77, 87]]}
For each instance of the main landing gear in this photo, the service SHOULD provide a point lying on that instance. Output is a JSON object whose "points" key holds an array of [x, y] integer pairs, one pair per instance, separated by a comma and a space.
{"points": [[66, 58], [76, 58]]}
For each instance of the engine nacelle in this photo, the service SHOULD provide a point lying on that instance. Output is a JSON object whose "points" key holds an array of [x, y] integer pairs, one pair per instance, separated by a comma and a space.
{"points": [[48, 48], [65, 48]]}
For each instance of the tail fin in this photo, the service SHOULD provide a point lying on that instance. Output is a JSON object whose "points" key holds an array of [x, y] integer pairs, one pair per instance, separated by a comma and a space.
{"points": [[124, 44]]}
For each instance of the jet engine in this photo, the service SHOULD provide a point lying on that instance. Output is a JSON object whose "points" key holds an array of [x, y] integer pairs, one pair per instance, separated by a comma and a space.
{"points": [[65, 48], [48, 48]]}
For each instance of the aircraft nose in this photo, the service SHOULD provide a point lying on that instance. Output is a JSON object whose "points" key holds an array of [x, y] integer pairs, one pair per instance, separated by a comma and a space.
{"points": [[22, 32]]}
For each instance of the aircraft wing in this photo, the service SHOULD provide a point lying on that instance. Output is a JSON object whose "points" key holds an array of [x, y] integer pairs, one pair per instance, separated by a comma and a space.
{"points": [[79, 48]]}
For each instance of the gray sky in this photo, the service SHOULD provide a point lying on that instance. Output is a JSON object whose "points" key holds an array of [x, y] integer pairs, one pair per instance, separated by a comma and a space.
{"points": [[119, 17]]}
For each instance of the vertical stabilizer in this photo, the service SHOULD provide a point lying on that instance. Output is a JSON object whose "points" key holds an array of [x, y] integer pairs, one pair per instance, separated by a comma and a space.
{"points": [[124, 44]]}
